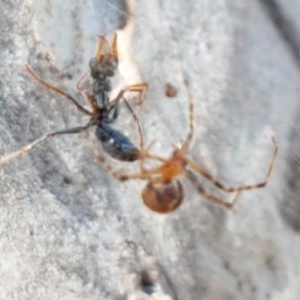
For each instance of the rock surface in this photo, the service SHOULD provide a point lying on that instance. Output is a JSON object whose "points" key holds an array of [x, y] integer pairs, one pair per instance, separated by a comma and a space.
{"points": [[70, 231]]}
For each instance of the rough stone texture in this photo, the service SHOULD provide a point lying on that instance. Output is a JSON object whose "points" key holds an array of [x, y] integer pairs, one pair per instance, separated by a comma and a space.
{"points": [[70, 231]]}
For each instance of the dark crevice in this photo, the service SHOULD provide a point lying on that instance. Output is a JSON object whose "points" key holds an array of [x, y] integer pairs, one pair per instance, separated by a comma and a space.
{"points": [[284, 26], [290, 205], [147, 283]]}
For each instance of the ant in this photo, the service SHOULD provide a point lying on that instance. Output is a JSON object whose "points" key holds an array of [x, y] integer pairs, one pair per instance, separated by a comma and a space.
{"points": [[103, 110], [164, 192]]}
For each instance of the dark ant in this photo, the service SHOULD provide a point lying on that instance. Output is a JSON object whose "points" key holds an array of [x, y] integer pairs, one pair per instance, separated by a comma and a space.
{"points": [[163, 192], [103, 110]]}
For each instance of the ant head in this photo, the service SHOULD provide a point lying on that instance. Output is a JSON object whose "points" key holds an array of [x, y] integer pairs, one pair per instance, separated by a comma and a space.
{"points": [[163, 197], [105, 67]]}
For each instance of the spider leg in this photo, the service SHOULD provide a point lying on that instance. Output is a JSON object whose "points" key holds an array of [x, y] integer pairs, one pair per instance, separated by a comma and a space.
{"points": [[6, 158], [199, 169], [186, 144], [137, 121], [209, 197], [144, 152], [57, 90], [133, 113]]}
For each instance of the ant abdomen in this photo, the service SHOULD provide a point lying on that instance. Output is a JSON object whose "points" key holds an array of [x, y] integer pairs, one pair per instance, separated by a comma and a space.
{"points": [[163, 197], [116, 144]]}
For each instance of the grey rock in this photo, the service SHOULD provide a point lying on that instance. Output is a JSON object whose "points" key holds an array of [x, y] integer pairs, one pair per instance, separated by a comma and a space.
{"points": [[71, 231]]}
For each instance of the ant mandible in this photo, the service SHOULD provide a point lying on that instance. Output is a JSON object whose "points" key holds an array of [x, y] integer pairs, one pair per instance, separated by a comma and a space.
{"points": [[164, 192], [103, 110]]}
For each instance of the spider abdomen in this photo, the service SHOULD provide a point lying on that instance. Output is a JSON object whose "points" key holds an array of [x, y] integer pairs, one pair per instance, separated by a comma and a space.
{"points": [[163, 197]]}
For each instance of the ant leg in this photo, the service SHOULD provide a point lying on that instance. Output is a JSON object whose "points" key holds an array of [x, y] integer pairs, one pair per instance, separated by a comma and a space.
{"points": [[27, 148], [72, 130], [119, 97], [226, 189], [57, 90], [141, 89], [80, 87]]}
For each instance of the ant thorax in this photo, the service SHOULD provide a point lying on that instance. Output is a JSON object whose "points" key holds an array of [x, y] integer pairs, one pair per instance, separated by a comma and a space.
{"points": [[101, 93]]}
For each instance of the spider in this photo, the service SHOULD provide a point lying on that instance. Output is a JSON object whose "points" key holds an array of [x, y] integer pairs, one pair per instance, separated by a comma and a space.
{"points": [[164, 191], [103, 110]]}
